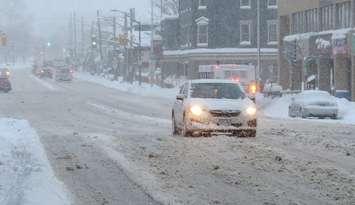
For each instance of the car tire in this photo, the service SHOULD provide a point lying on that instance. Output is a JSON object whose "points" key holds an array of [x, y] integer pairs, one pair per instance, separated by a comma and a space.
{"points": [[302, 114], [334, 117], [290, 114], [174, 127], [245, 133], [185, 132], [251, 133]]}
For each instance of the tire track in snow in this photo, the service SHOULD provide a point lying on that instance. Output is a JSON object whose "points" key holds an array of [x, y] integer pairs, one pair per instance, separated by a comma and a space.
{"points": [[44, 83], [128, 115]]}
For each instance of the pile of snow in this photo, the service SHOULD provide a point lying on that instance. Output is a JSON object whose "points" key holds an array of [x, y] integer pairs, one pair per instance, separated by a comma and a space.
{"points": [[143, 90], [347, 110], [26, 176], [278, 108]]}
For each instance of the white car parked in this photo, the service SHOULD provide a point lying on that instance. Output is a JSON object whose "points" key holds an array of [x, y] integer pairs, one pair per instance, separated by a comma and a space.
{"points": [[213, 107], [313, 103]]}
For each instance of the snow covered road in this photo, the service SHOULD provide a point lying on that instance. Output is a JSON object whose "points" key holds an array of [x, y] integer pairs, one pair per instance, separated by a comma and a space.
{"points": [[115, 147], [26, 176]]}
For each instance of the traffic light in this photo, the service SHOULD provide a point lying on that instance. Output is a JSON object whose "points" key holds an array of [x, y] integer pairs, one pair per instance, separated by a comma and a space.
{"points": [[3, 39], [93, 41], [123, 39]]}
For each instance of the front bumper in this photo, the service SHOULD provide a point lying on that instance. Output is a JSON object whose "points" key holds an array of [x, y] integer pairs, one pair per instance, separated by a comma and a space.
{"points": [[215, 126]]}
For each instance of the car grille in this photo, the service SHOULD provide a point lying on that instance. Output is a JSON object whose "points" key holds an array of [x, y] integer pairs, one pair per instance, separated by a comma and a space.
{"points": [[225, 113]]}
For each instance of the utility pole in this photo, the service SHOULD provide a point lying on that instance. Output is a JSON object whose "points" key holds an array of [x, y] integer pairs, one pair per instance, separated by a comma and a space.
{"points": [[75, 36], [82, 38], [125, 46], [100, 37], [257, 72], [70, 40], [161, 9], [140, 53], [114, 28], [152, 60], [131, 21]]}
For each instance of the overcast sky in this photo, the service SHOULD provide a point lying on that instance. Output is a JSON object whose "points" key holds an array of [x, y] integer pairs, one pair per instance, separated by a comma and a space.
{"points": [[51, 13]]}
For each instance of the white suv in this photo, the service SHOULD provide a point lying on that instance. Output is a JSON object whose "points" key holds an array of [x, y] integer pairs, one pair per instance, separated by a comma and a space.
{"points": [[213, 107]]}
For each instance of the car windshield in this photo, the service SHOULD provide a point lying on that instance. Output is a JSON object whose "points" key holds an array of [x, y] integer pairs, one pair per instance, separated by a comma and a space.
{"points": [[196, 102], [216, 91]]}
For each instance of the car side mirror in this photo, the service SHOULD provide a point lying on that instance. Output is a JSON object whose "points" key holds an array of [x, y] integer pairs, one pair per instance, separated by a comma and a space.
{"points": [[180, 97]]}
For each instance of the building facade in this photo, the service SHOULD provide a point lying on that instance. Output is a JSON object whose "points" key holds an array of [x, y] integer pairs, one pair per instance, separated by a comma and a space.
{"points": [[315, 45], [225, 32]]}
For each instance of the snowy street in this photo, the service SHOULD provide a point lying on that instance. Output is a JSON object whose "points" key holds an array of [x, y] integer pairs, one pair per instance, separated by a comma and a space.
{"points": [[109, 146]]}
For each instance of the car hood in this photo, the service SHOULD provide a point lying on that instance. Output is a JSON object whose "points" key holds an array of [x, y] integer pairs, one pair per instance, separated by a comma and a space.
{"points": [[221, 104], [318, 101]]}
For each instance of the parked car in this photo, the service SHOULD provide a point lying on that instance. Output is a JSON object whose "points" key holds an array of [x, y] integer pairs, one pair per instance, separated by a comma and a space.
{"points": [[63, 74], [5, 73], [213, 107], [272, 90], [5, 84], [313, 104]]}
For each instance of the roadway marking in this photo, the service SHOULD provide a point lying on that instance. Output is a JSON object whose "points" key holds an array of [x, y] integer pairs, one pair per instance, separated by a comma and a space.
{"points": [[128, 115]]}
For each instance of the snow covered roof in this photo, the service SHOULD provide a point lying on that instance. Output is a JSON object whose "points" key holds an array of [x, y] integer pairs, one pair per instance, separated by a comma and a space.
{"points": [[219, 51], [336, 34]]}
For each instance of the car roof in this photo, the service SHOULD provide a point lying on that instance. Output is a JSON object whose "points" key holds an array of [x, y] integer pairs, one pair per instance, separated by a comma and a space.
{"points": [[207, 81]]}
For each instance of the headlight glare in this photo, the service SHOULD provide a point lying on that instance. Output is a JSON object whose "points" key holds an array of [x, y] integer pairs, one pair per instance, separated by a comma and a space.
{"points": [[196, 110], [251, 111]]}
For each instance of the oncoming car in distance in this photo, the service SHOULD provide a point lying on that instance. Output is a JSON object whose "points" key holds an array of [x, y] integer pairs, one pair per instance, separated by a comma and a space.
{"points": [[213, 107], [313, 103], [63, 74]]}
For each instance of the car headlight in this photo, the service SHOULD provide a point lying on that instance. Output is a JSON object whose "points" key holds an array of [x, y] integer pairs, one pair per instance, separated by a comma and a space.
{"points": [[251, 111], [196, 110]]}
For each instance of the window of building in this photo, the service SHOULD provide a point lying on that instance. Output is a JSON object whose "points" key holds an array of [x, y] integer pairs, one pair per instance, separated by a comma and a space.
{"points": [[343, 15], [272, 4], [202, 32], [202, 4], [327, 17], [272, 32], [305, 21], [245, 33], [245, 4]]}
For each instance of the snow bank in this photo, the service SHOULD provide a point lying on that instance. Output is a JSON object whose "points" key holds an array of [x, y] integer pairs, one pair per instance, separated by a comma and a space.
{"points": [[26, 176], [143, 90], [278, 108]]}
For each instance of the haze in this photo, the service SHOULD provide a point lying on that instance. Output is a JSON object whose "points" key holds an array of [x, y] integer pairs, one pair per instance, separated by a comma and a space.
{"points": [[54, 13]]}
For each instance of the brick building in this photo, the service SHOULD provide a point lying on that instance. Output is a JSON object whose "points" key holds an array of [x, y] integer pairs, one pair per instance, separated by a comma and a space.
{"points": [[315, 45], [224, 31]]}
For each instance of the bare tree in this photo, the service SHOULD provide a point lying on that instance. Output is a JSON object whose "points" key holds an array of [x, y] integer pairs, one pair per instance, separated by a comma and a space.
{"points": [[16, 23], [167, 7]]}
